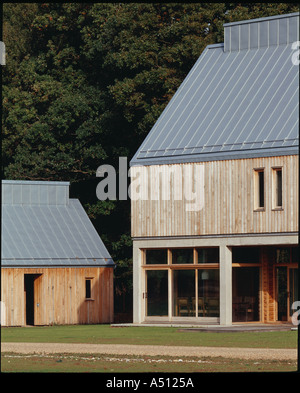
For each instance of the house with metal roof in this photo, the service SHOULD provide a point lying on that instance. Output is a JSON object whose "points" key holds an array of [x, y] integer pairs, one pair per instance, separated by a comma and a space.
{"points": [[55, 268], [215, 212]]}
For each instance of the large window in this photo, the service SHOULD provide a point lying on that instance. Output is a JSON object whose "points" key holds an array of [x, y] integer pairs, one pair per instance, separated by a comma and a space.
{"points": [[193, 276], [245, 283], [157, 293], [245, 294], [286, 260]]}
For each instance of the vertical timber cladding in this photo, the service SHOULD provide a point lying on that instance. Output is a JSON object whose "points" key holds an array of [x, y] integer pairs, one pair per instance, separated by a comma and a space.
{"points": [[59, 295], [268, 290], [228, 199]]}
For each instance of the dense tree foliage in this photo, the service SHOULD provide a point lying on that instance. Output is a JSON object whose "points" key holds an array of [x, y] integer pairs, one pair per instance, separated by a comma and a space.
{"points": [[85, 82]]}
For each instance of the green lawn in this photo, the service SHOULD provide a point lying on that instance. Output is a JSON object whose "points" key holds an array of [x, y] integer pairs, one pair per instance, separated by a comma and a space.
{"points": [[105, 334]]}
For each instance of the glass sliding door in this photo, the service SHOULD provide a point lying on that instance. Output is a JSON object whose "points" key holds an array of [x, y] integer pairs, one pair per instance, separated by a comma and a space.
{"points": [[286, 259], [157, 293], [184, 293], [287, 291], [185, 300], [245, 294]]}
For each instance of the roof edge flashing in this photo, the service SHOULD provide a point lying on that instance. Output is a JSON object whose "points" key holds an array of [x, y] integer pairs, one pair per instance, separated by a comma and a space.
{"points": [[215, 156], [213, 46]]}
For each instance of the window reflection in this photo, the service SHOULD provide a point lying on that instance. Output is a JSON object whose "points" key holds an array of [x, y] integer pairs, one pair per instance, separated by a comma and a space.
{"points": [[245, 294], [208, 293], [157, 293], [208, 255], [184, 293], [182, 256], [156, 257]]}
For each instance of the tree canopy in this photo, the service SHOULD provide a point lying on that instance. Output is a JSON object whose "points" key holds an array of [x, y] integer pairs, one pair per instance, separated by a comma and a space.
{"points": [[84, 83]]}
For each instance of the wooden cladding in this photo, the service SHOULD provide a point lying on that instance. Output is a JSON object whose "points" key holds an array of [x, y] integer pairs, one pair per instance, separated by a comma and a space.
{"points": [[269, 300], [59, 295], [225, 196]]}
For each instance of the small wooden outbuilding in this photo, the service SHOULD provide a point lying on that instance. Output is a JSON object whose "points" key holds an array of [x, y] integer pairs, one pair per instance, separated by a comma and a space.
{"points": [[55, 268]]}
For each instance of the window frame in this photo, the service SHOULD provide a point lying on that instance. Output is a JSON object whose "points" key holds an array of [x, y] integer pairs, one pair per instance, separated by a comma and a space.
{"points": [[88, 279], [170, 263], [144, 256], [259, 194], [275, 188]]}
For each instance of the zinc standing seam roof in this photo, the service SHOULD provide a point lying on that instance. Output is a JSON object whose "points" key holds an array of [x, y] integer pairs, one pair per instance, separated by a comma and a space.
{"points": [[240, 100], [40, 231]]}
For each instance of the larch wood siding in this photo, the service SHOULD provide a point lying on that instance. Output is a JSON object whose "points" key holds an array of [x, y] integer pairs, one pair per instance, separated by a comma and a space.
{"points": [[269, 302], [228, 203], [59, 295]]}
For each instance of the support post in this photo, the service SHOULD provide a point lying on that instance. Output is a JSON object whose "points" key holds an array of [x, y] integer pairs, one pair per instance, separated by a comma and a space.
{"points": [[138, 285], [225, 285]]}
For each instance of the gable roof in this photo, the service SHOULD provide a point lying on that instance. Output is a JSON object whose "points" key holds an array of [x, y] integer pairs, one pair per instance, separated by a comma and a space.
{"points": [[42, 227], [240, 99]]}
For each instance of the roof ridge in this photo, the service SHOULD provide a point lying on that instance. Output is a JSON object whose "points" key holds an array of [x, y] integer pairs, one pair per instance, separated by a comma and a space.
{"points": [[263, 19]]}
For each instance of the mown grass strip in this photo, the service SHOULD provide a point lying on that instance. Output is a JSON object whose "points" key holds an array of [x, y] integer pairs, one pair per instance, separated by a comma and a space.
{"points": [[105, 334]]}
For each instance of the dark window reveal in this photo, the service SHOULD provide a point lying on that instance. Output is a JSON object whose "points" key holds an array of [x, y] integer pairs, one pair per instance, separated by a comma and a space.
{"points": [[88, 288]]}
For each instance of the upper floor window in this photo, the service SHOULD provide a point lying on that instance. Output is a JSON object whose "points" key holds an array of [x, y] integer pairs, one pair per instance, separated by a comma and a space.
{"points": [[276, 188], [259, 189]]}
